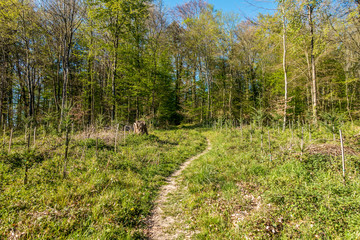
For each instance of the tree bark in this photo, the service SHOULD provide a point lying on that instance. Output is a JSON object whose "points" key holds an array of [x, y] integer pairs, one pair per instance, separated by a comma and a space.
{"points": [[313, 68], [285, 68]]}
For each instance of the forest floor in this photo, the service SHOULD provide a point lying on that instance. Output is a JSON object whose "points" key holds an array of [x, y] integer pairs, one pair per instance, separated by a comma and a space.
{"points": [[159, 221], [254, 183], [244, 188], [108, 193]]}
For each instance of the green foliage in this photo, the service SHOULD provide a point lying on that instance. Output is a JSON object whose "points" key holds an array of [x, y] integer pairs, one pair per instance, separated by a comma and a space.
{"points": [[259, 116], [332, 121], [17, 160]]}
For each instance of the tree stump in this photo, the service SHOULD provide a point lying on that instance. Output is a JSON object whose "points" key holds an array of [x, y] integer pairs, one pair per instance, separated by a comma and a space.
{"points": [[129, 128], [140, 127]]}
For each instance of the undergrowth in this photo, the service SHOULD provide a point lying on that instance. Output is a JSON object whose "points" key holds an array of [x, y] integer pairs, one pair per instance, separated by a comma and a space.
{"points": [[240, 190], [106, 195]]}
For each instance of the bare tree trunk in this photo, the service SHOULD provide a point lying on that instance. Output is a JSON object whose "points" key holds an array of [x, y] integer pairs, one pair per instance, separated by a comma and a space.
{"points": [[113, 86], [10, 141], [66, 57], [34, 137], [313, 69], [342, 156], [193, 89], [67, 141], [348, 106], [285, 68]]}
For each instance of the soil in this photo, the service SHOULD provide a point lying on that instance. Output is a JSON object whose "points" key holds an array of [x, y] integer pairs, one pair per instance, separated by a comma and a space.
{"points": [[160, 223]]}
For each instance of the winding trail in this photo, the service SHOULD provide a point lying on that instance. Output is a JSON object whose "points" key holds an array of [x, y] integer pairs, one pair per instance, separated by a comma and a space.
{"points": [[158, 222]]}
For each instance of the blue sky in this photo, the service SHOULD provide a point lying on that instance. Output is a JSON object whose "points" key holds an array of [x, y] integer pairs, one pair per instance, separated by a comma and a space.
{"points": [[246, 8]]}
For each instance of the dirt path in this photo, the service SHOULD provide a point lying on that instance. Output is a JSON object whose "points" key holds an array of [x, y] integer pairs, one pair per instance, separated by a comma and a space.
{"points": [[158, 222]]}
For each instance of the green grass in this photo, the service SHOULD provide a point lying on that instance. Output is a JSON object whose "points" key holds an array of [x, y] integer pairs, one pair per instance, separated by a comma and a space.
{"points": [[236, 192], [108, 196], [233, 192]]}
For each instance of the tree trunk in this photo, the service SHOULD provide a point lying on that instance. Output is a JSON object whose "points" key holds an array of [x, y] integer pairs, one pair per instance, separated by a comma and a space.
{"points": [[65, 59], [285, 68], [313, 69], [113, 85], [140, 127]]}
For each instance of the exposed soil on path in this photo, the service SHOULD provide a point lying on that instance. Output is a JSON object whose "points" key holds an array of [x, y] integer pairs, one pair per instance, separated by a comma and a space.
{"points": [[159, 223]]}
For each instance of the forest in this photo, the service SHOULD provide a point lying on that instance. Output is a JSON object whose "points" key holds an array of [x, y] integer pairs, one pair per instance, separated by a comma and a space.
{"points": [[127, 60], [250, 125]]}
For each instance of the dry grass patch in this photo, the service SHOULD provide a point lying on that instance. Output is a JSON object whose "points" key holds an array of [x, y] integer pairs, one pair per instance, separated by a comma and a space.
{"points": [[329, 149]]}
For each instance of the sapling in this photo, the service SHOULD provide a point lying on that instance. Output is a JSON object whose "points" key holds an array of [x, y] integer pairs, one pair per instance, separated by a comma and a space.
{"points": [[262, 139], [27, 122], [4, 136], [332, 122], [99, 125], [43, 135], [298, 122], [67, 142], [34, 137], [10, 141], [116, 135], [67, 121], [29, 138], [97, 145], [251, 131], [124, 135], [241, 130], [27, 160], [278, 127], [302, 140], [269, 145], [342, 155]]}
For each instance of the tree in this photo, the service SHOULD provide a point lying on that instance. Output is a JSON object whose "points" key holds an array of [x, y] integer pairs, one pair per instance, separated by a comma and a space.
{"points": [[64, 17]]}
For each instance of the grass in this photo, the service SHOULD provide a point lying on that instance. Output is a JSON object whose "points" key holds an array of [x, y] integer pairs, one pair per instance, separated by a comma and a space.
{"points": [[106, 195], [237, 192]]}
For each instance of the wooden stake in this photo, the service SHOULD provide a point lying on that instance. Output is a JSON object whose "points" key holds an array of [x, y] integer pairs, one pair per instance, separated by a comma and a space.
{"points": [[309, 132], [250, 133], [124, 135], [11, 134], [67, 142], [342, 155], [26, 174], [269, 145], [29, 138], [262, 141], [241, 129], [4, 135], [97, 142], [298, 122], [302, 140], [116, 134], [34, 137]]}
